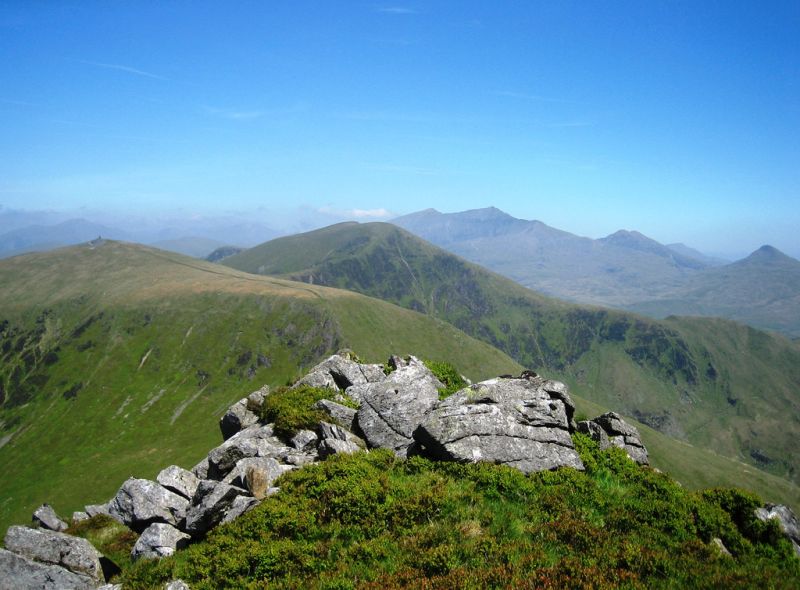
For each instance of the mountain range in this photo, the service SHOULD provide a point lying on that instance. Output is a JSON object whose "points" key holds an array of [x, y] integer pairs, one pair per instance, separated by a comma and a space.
{"points": [[711, 382], [625, 270]]}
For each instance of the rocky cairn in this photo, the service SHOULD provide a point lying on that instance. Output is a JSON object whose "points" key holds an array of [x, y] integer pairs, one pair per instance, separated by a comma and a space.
{"points": [[524, 422]]}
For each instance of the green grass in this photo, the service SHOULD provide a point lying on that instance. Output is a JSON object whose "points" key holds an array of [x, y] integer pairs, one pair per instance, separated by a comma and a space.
{"points": [[375, 521], [292, 410], [712, 383]]}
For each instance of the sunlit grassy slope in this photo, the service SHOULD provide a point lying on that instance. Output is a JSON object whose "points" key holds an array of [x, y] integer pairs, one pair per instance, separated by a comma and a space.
{"points": [[713, 383], [118, 360]]}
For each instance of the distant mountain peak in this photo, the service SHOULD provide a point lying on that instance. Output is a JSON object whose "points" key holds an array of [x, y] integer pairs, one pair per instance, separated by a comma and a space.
{"points": [[767, 253]]}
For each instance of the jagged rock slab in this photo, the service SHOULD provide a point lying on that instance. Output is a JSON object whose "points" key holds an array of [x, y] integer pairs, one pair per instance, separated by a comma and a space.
{"points": [[514, 422], [338, 372], [304, 440], [255, 474], [623, 435], [342, 414], [790, 524], [47, 518], [21, 573], [178, 480], [94, 509], [238, 417], [141, 502], [335, 439], [240, 505], [159, 540], [256, 441], [211, 502], [72, 553], [392, 409], [201, 469]]}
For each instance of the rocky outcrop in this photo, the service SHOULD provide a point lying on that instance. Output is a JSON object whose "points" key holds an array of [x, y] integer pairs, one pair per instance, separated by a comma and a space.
{"points": [[515, 422], [19, 573], [210, 504], [335, 439], [788, 521], [141, 502], [392, 409], [341, 414], [46, 518], [255, 441], [341, 371], [159, 540], [71, 553], [179, 480], [611, 429], [243, 413]]}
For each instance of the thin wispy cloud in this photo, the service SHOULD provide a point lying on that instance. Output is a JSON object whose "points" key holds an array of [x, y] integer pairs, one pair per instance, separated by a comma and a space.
{"points": [[396, 10], [122, 68], [356, 213], [235, 114]]}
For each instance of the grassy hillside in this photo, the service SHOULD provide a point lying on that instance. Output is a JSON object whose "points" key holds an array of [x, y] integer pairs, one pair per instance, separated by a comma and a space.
{"points": [[118, 360], [712, 383]]}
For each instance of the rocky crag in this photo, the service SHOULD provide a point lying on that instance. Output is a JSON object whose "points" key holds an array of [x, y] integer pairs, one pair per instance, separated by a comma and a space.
{"points": [[524, 422]]}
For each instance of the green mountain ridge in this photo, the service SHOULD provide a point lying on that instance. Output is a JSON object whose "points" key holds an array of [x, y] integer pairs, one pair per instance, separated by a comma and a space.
{"points": [[714, 383]]}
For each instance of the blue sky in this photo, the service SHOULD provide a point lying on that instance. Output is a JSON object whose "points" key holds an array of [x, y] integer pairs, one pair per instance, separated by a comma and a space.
{"points": [[678, 119]]}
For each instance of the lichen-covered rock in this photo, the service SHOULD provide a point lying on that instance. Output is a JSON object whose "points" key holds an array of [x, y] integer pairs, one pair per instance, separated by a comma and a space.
{"points": [[72, 553], [238, 417], [21, 573], [339, 372], [342, 414], [393, 408], [790, 524], [624, 436], [595, 432], [255, 474], [304, 439], [176, 585], [210, 503], [178, 480], [256, 441], [335, 439], [47, 518], [515, 422], [141, 502], [79, 516], [94, 509], [159, 540], [200, 470], [239, 506]]}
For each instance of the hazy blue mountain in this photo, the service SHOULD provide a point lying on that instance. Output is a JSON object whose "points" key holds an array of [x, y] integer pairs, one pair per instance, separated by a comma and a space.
{"points": [[689, 252], [196, 246], [36, 238]]}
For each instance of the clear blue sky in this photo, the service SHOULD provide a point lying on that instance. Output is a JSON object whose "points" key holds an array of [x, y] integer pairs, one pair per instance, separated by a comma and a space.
{"points": [[678, 119]]}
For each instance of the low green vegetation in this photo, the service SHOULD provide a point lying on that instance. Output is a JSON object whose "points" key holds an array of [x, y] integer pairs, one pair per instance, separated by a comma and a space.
{"points": [[372, 520], [448, 375], [291, 410]]}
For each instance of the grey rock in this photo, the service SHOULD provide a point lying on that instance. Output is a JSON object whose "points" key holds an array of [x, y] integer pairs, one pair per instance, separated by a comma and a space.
{"points": [[335, 439], [238, 417], [201, 469], [392, 409], [178, 480], [94, 509], [717, 542], [239, 506], [255, 474], [141, 502], [255, 401], [176, 585], [789, 523], [21, 573], [79, 516], [623, 435], [72, 553], [342, 414], [110, 587], [339, 372], [255, 441], [304, 439], [47, 518], [515, 422], [595, 432], [159, 540], [211, 502]]}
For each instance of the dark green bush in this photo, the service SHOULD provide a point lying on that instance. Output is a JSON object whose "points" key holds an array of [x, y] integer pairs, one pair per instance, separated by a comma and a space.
{"points": [[448, 375]]}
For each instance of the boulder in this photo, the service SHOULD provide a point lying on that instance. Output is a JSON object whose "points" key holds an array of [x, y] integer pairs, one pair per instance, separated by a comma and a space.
{"points": [[201, 469], [210, 503], [335, 439], [788, 521], [595, 432], [392, 409], [255, 441], [624, 436], [238, 417], [304, 439], [19, 573], [240, 505], [79, 516], [255, 401], [46, 517], [514, 422], [71, 553], [94, 509], [178, 480], [339, 372], [255, 474], [341, 414], [141, 502], [176, 585], [159, 540]]}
